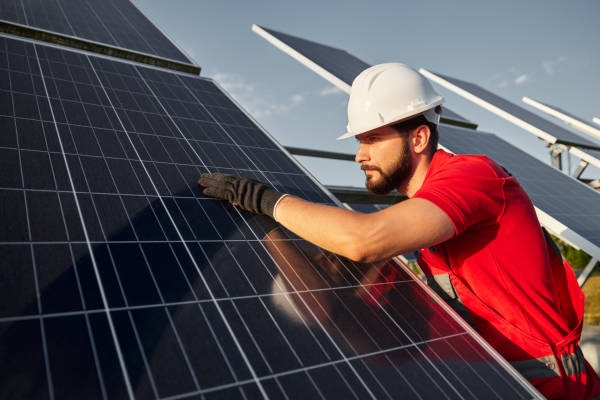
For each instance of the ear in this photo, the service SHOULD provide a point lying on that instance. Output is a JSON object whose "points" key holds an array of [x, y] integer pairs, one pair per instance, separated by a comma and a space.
{"points": [[420, 138]]}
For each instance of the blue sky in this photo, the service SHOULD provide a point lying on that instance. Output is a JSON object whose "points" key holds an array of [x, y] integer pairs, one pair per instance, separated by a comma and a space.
{"points": [[545, 50]]}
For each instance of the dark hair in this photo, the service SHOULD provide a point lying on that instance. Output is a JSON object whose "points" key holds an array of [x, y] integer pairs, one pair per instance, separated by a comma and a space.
{"points": [[415, 122]]}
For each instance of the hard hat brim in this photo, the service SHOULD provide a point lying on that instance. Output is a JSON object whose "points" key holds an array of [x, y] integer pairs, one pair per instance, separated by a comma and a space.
{"points": [[346, 135], [400, 118]]}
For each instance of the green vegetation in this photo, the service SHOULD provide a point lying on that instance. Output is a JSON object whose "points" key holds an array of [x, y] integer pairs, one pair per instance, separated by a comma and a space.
{"points": [[591, 289], [578, 260]]}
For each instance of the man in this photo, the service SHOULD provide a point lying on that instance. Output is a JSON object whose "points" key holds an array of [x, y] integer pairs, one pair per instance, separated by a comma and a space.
{"points": [[475, 227]]}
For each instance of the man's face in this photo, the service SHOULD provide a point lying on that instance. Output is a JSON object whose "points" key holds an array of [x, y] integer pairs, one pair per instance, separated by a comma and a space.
{"points": [[385, 156]]}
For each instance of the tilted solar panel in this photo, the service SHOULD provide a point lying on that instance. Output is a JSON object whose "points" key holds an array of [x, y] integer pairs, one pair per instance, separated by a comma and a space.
{"points": [[582, 147], [336, 65], [118, 278], [326, 58], [116, 23], [568, 118], [566, 206]]}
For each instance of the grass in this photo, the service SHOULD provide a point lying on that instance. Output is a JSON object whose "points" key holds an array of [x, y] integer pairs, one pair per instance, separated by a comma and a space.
{"points": [[578, 259], [591, 289]]}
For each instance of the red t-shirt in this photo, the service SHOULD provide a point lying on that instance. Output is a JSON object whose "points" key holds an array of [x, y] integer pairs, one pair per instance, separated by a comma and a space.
{"points": [[499, 260]]}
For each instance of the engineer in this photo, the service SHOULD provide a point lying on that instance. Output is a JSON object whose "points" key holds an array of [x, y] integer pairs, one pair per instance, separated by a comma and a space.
{"points": [[474, 226]]}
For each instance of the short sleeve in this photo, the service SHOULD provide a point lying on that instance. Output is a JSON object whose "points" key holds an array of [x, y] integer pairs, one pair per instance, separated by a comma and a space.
{"points": [[469, 189]]}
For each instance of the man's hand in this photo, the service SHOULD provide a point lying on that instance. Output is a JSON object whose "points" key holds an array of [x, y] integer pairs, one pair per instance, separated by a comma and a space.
{"points": [[248, 194]]}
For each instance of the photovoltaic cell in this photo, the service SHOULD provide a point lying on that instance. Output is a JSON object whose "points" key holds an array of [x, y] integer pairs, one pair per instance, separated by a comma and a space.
{"points": [[117, 23], [336, 65], [572, 208], [118, 278]]}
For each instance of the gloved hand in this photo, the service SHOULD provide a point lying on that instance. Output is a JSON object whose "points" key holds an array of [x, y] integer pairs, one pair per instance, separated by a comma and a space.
{"points": [[248, 194]]}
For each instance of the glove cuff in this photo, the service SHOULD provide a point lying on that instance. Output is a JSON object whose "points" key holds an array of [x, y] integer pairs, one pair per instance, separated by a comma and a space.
{"points": [[269, 201], [274, 213]]}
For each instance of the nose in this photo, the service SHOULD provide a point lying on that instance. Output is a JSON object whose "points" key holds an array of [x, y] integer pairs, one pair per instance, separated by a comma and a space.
{"points": [[362, 154]]}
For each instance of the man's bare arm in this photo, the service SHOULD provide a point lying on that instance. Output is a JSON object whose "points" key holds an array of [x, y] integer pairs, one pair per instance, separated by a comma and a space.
{"points": [[400, 228]]}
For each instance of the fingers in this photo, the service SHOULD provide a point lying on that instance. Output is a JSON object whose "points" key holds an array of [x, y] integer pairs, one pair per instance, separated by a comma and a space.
{"points": [[217, 185], [217, 178], [216, 192]]}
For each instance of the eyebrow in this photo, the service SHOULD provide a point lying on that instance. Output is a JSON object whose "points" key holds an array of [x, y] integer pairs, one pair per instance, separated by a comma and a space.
{"points": [[368, 135]]}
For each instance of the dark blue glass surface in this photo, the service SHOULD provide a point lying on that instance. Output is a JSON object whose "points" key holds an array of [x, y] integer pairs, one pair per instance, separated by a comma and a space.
{"points": [[119, 278]]}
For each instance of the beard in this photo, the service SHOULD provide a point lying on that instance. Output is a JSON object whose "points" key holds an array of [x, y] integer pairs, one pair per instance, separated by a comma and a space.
{"points": [[386, 182]]}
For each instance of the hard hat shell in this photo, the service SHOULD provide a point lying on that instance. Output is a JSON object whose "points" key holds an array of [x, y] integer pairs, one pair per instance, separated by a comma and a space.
{"points": [[388, 93]]}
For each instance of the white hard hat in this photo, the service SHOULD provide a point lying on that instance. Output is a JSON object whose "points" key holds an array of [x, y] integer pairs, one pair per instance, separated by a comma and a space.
{"points": [[388, 93]]}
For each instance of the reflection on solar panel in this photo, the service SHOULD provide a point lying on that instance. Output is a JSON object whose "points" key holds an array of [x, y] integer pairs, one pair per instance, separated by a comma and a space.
{"points": [[567, 207], [527, 120], [116, 23], [568, 118], [337, 66], [119, 279]]}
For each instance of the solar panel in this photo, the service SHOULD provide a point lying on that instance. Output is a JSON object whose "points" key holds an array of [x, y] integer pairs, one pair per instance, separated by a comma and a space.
{"points": [[583, 148], [337, 66], [565, 116], [116, 23], [118, 278], [567, 207]]}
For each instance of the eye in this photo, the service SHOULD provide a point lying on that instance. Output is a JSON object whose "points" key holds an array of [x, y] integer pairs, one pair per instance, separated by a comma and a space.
{"points": [[369, 139]]}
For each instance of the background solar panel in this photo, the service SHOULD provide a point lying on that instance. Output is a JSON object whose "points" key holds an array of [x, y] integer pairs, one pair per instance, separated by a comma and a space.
{"points": [[336, 65], [570, 119], [586, 149], [117, 23], [118, 278], [326, 57], [571, 203]]}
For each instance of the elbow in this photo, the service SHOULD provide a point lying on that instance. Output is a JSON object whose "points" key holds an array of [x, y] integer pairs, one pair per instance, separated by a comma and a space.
{"points": [[356, 255], [363, 254], [359, 246]]}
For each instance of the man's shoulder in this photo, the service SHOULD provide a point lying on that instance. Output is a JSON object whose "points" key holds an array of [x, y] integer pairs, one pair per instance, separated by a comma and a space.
{"points": [[469, 163]]}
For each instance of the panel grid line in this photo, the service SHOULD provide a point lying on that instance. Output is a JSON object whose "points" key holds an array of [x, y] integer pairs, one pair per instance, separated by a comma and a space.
{"points": [[30, 245], [95, 355], [156, 286], [401, 329], [95, 266], [316, 319], [314, 367], [189, 302], [171, 294], [200, 159], [186, 247], [60, 7]]}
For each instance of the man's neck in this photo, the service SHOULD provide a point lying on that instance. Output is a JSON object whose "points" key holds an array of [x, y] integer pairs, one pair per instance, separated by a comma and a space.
{"points": [[414, 183]]}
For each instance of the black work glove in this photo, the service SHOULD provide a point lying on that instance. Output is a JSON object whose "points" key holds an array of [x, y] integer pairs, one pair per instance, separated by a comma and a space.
{"points": [[248, 194]]}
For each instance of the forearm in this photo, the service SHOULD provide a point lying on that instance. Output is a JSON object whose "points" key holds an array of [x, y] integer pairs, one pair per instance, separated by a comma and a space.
{"points": [[408, 226], [332, 228]]}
